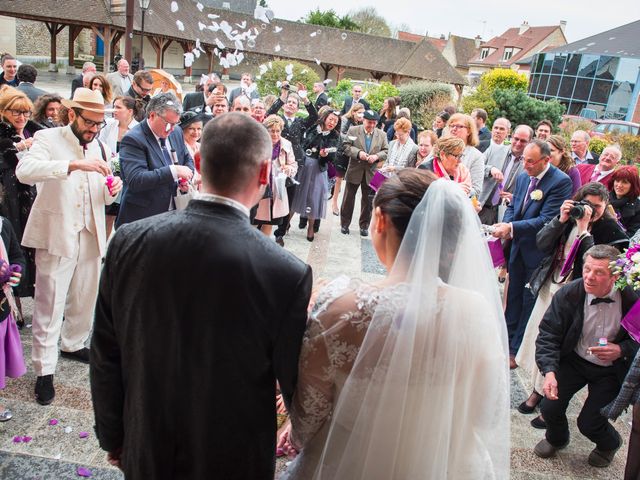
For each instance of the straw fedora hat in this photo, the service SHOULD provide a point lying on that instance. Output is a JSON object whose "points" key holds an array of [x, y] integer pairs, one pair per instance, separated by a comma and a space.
{"points": [[86, 99]]}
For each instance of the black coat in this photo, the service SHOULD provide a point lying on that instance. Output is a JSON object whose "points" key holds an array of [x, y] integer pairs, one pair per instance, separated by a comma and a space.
{"points": [[561, 327], [198, 314], [315, 140], [295, 133], [629, 211]]}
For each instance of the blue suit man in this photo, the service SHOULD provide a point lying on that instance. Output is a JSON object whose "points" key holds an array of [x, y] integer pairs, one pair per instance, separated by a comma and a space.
{"points": [[538, 195], [153, 158]]}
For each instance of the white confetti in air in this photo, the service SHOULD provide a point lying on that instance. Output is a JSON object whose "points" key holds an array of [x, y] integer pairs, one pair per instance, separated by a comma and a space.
{"points": [[199, 6], [263, 69], [365, 94], [612, 38], [214, 27], [216, 52], [188, 59], [201, 26], [304, 71], [199, 45], [242, 24], [270, 65], [277, 29], [174, 7], [240, 57], [180, 25], [219, 44], [289, 78], [196, 53], [289, 69], [212, 16], [239, 45], [258, 77], [263, 14], [204, 79], [224, 62], [313, 34], [317, 61], [277, 48], [327, 81], [278, 84], [231, 58]]}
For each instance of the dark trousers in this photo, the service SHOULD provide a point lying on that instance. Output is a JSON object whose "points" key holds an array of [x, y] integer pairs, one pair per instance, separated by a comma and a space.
{"points": [[520, 302], [573, 374], [632, 471], [348, 203], [281, 231]]}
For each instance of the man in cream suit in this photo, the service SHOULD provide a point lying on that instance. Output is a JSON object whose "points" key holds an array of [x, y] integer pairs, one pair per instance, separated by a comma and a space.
{"points": [[66, 226], [366, 146], [121, 80]]}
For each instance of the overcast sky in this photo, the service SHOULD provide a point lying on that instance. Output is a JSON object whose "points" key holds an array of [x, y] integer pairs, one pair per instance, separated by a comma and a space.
{"points": [[487, 18]]}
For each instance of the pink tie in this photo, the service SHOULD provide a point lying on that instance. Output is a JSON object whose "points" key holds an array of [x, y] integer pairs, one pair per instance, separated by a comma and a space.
{"points": [[595, 176]]}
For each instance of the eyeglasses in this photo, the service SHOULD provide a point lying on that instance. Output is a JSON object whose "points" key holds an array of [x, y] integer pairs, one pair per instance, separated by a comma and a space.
{"points": [[17, 113], [91, 123], [456, 126], [457, 156], [520, 140], [171, 124], [145, 90]]}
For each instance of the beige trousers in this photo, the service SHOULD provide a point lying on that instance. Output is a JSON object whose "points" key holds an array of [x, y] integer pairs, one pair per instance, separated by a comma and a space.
{"points": [[65, 287]]}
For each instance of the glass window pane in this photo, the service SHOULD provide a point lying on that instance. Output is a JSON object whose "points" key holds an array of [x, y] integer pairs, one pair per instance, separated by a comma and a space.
{"points": [[573, 62], [566, 87], [582, 90], [600, 92], [533, 87], [554, 84], [542, 87], [537, 62], [607, 67], [588, 66], [548, 61], [575, 108], [558, 64], [619, 100], [628, 70]]}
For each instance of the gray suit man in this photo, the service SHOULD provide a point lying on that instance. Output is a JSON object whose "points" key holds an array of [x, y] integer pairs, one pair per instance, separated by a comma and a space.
{"points": [[503, 164]]}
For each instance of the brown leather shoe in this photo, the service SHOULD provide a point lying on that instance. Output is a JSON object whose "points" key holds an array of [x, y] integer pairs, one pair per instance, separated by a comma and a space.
{"points": [[603, 458], [512, 362], [545, 450]]}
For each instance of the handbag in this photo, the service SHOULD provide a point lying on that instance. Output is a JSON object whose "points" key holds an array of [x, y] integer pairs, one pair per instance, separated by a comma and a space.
{"points": [[496, 251], [182, 199], [377, 180], [540, 275]]}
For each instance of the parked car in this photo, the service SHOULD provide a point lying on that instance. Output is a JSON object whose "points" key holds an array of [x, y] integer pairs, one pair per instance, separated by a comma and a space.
{"points": [[602, 127], [573, 118]]}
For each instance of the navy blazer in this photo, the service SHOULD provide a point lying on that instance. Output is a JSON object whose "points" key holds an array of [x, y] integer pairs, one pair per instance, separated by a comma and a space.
{"points": [[149, 186], [556, 187]]}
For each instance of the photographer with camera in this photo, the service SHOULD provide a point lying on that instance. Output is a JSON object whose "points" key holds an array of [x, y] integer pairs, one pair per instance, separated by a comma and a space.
{"points": [[584, 221]]}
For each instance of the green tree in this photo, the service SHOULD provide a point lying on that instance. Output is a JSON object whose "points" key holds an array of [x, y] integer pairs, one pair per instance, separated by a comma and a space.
{"points": [[498, 78], [370, 21], [330, 18], [268, 82], [519, 108]]}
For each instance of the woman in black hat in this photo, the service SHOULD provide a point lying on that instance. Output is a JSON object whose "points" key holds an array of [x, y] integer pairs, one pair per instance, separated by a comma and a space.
{"points": [[191, 124]]}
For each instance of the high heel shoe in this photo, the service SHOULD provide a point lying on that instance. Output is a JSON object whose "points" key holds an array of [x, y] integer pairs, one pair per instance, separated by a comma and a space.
{"points": [[525, 408], [310, 238]]}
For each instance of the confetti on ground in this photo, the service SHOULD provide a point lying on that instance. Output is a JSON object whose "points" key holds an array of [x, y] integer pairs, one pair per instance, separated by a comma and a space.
{"points": [[53, 421], [83, 472], [83, 434], [68, 429]]}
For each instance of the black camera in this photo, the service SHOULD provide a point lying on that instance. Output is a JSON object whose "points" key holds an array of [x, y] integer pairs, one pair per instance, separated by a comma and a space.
{"points": [[577, 211]]}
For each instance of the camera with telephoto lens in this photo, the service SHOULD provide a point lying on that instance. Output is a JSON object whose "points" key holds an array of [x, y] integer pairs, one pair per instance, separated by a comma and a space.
{"points": [[578, 210]]}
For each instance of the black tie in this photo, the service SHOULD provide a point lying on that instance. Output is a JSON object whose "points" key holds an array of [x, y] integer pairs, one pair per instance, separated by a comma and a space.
{"points": [[596, 301], [165, 152]]}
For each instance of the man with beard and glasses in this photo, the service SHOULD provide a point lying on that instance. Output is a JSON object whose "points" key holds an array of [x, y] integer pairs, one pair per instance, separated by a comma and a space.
{"points": [[66, 226]]}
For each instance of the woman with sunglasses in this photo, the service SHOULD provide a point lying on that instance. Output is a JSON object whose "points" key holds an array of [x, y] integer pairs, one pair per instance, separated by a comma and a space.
{"points": [[16, 199]]}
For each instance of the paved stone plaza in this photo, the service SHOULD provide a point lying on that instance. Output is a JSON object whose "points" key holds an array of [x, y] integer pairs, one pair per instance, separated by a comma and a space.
{"points": [[57, 451]]}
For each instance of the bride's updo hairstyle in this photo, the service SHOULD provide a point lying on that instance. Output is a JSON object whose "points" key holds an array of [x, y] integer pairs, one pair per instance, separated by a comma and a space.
{"points": [[399, 195]]}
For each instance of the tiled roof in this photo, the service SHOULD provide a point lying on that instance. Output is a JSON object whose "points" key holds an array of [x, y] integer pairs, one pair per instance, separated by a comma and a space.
{"points": [[295, 41], [621, 41], [465, 49], [512, 38], [439, 43]]}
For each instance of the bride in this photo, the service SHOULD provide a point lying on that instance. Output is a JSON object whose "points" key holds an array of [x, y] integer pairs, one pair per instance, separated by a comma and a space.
{"points": [[407, 379]]}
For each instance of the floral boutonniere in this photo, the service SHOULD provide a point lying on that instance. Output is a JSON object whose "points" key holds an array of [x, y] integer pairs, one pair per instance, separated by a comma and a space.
{"points": [[536, 195]]}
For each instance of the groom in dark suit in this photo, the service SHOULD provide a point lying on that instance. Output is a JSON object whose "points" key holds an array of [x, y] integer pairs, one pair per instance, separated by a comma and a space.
{"points": [[538, 195], [153, 159], [198, 315]]}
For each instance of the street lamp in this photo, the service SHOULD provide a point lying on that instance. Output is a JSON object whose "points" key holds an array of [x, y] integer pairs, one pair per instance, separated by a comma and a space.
{"points": [[144, 6]]}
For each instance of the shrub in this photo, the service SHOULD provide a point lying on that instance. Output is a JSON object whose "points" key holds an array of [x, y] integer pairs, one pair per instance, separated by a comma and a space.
{"points": [[339, 92], [597, 145], [374, 94], [521, 109], [267, 83], [425, 100], [630, 146], [496, 79]]}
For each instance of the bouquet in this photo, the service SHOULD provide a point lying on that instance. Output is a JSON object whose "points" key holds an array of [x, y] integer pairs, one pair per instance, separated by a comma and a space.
{"points": [[627, 266]]}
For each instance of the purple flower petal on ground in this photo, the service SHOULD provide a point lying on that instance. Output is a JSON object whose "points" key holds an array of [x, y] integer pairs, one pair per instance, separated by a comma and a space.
{"points": [[83, 472], [83, 434], [17, 439], [26, 439], [53, 421]]}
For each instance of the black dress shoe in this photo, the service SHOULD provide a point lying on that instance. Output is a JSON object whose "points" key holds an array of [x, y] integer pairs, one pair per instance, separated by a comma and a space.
{"points": [[344, 230], [310, 238], [539, 423], [81, 355], [524, 408], [316, 225], [302, 223], [364, 232], [45, 393]]}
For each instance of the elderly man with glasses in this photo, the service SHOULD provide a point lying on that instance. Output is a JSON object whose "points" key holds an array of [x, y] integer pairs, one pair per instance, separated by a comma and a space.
{"points": [[154, 161], [66, 227]]}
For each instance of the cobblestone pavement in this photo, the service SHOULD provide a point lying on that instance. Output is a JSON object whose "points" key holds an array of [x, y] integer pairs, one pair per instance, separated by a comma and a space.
{"points": [[56, 452]]}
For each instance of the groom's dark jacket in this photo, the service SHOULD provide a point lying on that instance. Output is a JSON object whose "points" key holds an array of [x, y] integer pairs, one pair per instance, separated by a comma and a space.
{"points": [[197, 316]]}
